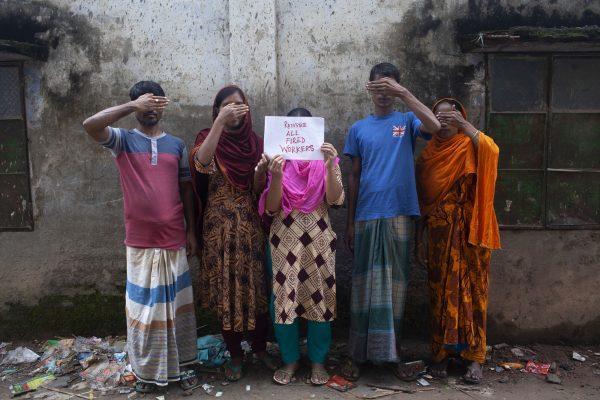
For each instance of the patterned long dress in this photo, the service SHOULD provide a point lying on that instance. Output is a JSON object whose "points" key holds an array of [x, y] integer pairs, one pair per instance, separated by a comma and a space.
{"points": [[303, 256], [232, 272], [458, 277]]}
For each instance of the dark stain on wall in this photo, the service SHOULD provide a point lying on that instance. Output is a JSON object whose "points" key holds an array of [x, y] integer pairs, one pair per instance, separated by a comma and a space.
{"points": [[45, 26], [485, 15], [429, 61], [90, 314], [24, 31], [19, 25]]}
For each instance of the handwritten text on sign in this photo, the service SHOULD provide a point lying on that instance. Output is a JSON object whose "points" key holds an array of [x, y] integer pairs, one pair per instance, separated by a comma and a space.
{"points": [[295, 138]]}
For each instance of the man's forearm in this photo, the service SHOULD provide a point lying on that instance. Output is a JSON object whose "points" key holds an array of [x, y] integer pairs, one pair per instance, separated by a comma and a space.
{"points": [[96, 125], [353, 183], [425, 115], [353, 186]]}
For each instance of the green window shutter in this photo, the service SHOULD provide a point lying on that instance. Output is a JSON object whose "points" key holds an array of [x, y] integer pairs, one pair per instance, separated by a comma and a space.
{"points": [[15, 196]]}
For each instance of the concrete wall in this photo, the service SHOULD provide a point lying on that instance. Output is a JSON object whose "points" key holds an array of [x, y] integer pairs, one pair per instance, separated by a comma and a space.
{"points": [[67, 276]]}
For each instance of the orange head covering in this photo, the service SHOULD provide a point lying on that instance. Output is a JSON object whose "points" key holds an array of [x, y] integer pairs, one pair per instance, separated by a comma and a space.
{"points": [[444, 161]]}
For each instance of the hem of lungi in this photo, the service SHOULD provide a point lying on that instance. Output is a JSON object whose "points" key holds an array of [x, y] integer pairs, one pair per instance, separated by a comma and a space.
{"points": [[376, 361], [354, 350], [155, 382], [165, 383]]}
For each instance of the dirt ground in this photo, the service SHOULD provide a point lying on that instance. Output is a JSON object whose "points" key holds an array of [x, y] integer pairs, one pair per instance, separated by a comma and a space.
{"points": [[579, 380]]}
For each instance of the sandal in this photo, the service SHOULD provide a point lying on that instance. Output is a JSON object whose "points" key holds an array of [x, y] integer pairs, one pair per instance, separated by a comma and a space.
{"points": [[188, 380], [319, 375], [350, 370], [283, 376], [474, 373], [409, 371], [143, 387], [233, 373]]}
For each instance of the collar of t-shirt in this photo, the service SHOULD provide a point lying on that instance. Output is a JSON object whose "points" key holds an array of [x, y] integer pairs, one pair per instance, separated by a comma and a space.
{"points": [[383, 117], [153, 144]]}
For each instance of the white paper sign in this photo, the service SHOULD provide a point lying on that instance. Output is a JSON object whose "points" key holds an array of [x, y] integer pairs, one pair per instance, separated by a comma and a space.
{"points": [[295, 138]]}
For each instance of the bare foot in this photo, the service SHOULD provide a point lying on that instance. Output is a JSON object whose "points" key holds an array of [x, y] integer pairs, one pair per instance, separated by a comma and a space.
{"points": [[233, 369], [439, 370], [350, 370], [474, 373], [268, 361], [408, 371], [143, 387]]}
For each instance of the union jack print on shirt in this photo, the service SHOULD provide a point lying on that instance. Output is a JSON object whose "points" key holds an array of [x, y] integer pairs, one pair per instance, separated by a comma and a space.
{"points": [[398, 131]]}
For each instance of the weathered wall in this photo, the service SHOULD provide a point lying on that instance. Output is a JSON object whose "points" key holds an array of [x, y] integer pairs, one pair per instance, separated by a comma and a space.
{"points": [[68, 274]]}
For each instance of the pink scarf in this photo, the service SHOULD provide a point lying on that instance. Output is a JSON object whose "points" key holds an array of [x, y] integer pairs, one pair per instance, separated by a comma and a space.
{"points": [[302, 186]]}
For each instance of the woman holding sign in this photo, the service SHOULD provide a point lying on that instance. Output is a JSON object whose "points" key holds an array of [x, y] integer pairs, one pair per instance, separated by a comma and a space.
{"points": [[302, 242], [232, 279]]}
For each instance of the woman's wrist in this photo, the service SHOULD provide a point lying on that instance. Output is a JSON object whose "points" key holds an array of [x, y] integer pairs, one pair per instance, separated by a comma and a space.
{"points": [[276, 179], [219, 124], [260, 176], [469, 129]]}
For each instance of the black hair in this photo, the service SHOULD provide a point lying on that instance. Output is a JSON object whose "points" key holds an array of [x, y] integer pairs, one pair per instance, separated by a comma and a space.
{"points": [[225, 93], [143, 87], [385, 69], [299, 112]]}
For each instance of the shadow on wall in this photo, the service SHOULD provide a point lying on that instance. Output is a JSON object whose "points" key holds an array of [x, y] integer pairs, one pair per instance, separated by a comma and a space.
{"points": [[93, 314], [501, 330]]}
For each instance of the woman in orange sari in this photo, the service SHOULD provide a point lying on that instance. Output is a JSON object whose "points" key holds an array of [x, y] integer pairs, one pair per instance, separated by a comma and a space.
{"points": [[456, 177]]}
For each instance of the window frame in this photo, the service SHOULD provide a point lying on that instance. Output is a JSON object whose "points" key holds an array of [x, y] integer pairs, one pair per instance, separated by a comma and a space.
{"points": [[545, 169], [20, 65]]}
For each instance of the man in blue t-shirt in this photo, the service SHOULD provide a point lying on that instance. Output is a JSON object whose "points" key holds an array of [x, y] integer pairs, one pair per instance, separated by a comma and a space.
{"points": [[382, 200]]}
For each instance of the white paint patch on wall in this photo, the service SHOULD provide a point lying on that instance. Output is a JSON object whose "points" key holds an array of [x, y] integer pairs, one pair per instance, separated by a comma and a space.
{"points": [[325, 51]]}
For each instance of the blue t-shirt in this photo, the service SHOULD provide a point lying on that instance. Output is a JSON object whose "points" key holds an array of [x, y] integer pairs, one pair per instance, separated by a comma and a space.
{"points": [[386, 147]]}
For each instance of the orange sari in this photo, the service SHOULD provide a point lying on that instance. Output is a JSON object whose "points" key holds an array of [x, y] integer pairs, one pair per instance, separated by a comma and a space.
{"points": [[456, 184]]}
